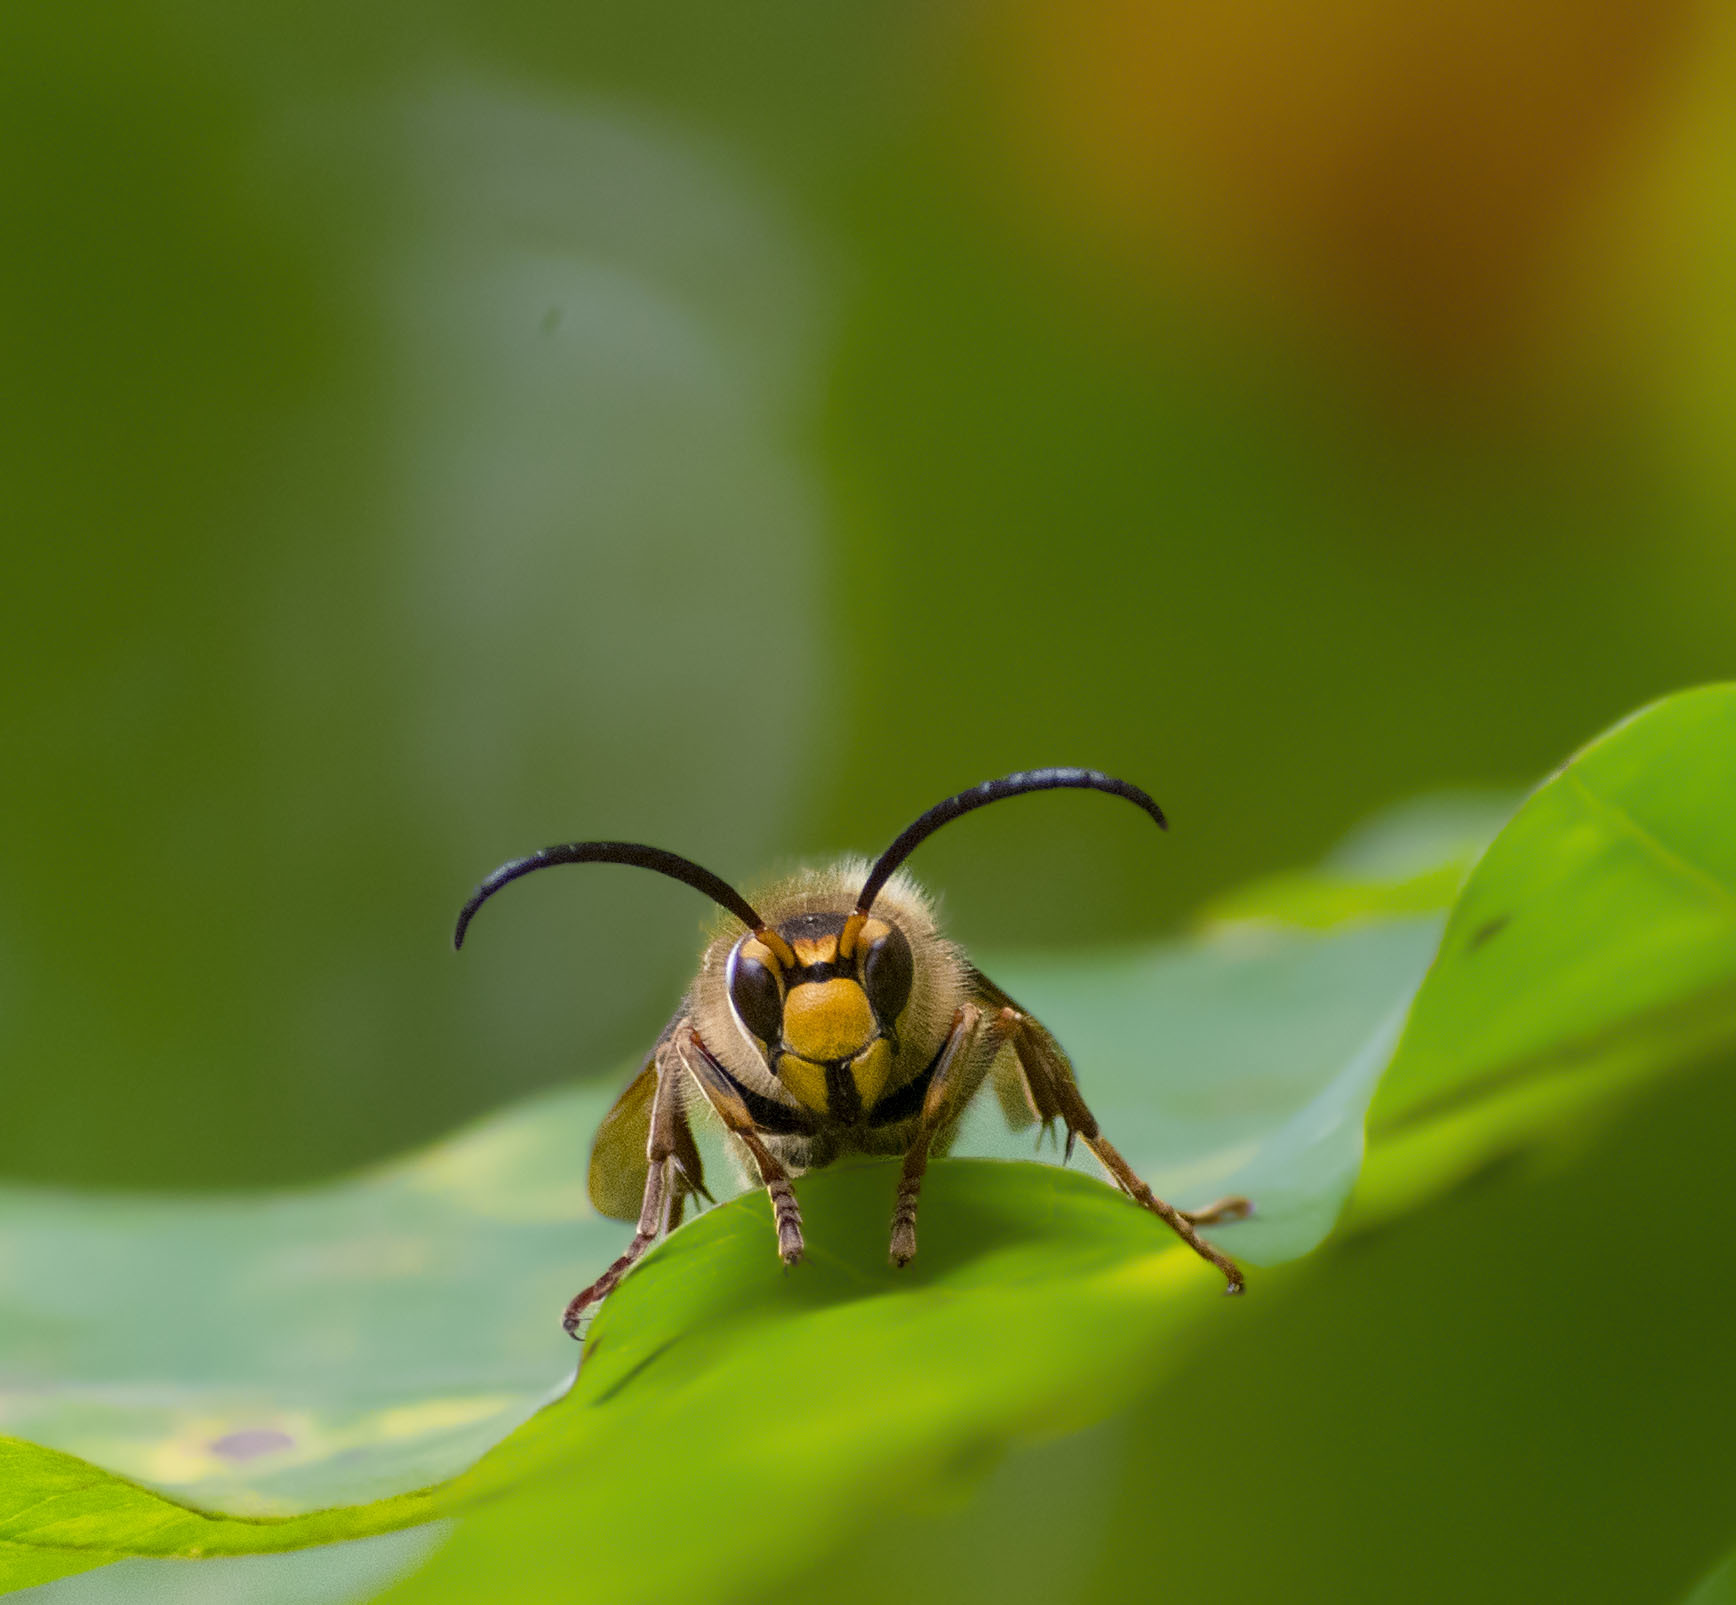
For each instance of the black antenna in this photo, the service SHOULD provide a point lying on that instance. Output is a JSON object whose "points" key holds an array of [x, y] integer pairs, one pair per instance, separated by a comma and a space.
{"points": [[993, 791], [671, 864]]}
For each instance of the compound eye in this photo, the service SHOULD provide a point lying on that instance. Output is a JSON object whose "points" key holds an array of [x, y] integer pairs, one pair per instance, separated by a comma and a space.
{"points": [[887, 973], [754, 995]]}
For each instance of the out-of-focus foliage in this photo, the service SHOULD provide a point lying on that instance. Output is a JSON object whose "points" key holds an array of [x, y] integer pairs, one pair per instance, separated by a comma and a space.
{"points": [[1650, 867], [332, 1574], [677, 1354], [285, 1351], [430, 435], [1718, 1587]]}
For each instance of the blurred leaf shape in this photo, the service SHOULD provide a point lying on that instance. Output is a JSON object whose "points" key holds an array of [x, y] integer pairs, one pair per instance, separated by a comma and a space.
{"points": [[1594, 941], [276, 1352], [1411, 859], [329, 1574], [1040, 1298], [460, 588], [1718, 1586], [1239, 1062]]}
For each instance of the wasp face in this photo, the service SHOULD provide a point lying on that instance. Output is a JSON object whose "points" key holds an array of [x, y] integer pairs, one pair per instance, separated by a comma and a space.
{"points": [[822, 996]]}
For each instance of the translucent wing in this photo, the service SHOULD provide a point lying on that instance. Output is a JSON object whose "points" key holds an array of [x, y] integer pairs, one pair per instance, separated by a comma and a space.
{"points": [[618, 1163]]}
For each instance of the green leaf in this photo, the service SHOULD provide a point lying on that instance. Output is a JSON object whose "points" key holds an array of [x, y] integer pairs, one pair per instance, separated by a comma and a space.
{"points": [[1595, 941], [270, 1354], [1717, 1587], [1241, 1062], [1592, 944], [328, 1574], [55, 1503], [26, 1565], [808, 1406]]}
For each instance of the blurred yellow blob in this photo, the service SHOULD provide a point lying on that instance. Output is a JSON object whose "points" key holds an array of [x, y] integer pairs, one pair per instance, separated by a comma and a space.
{"points": [[1409, 168]]}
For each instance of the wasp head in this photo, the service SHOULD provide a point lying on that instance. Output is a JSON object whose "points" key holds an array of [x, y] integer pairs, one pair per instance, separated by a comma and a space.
{"points": [[822, 994]]}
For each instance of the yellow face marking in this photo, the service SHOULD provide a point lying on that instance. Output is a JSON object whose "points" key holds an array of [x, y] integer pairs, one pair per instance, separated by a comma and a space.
{"points": [[815, 950], [806, 1081], [827, 1019], [869, 1071], [753, 948]]}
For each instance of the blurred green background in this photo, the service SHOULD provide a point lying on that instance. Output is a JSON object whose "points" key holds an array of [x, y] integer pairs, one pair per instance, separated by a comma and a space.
{"points": [[432, 432]]}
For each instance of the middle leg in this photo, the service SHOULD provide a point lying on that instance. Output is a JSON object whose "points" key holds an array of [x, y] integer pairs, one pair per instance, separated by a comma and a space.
{"points": [[957, 1075]]}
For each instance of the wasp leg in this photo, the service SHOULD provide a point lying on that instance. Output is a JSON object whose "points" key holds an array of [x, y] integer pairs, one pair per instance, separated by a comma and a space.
{"points": [[950, 1088], [721, 1094], [1235, 1207], [677, 1208], [1052, 1092], [672, 1171], [1181, 1224], [684, 1188], [688, 1167], [652, 1222]]}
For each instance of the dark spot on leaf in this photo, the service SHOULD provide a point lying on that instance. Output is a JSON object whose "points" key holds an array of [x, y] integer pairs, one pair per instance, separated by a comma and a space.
{"points": [[1484, 931], [656, 1354], [252, 1442]]}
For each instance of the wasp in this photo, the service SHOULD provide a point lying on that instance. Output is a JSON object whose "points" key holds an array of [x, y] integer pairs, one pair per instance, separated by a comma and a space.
{"points": [[834, 1018]]}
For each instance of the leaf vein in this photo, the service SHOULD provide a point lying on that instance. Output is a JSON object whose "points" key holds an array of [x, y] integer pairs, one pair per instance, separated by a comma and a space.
{"points": [[1667, 856]]}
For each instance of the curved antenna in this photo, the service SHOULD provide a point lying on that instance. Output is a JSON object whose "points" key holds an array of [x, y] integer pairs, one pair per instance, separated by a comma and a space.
{"points": [[993, 791], [671, 864]]}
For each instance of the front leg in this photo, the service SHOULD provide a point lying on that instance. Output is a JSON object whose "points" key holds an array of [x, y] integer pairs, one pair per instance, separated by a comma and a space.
{"points": [[957, 1074], [720, 1092], [672, 1171]]}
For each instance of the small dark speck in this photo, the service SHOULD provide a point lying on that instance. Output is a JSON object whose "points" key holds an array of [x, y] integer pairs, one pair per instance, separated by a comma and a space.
{"points": [[551, 320], [1484, 931], [251, 1443]]}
